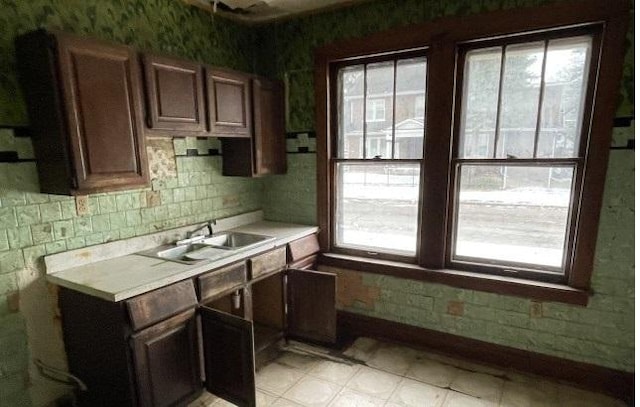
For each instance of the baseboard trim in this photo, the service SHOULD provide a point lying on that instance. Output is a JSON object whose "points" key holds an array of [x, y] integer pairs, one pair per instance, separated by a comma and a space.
{"points": [[616, 383]]}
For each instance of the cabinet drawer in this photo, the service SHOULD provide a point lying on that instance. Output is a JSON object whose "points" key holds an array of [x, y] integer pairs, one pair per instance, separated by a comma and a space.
{"points": [[147, 309], [221, 280], [301, 248], [268, 262]]}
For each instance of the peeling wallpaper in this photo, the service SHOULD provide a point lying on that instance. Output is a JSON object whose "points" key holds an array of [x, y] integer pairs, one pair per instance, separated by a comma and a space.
{"points": [[191, 189], [601, 333], [184, 190]]}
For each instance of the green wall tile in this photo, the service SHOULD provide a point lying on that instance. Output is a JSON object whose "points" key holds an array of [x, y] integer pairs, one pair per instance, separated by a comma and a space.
{"points": [[19, 237], [50, 212], [8, 218]]}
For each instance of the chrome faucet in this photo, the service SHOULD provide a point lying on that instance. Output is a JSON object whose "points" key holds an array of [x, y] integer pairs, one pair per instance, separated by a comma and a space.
{"points": [[196, 235], [209, 226]]}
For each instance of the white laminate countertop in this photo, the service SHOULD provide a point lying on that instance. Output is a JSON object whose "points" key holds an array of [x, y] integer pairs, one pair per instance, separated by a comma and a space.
{"points": [[126, 276]]}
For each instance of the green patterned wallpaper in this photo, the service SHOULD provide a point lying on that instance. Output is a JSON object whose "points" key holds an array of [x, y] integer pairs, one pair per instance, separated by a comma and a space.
{"points": [[185, 190], [601, 333], [163, 26], [32, 224]]}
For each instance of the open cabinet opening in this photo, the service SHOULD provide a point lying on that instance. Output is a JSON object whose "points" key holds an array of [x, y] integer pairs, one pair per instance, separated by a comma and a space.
{"points": [[268, 311], [231, 303]]}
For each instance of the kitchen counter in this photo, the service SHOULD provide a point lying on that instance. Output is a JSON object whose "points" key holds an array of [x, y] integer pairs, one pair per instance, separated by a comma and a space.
{"points": [[126, 276]]}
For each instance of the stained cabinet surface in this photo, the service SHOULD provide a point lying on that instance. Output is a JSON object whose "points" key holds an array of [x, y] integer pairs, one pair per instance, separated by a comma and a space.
{"points": [[229, 103], [163, 347], [265, 152], [175, 96], [167, 362], [85, 107]]}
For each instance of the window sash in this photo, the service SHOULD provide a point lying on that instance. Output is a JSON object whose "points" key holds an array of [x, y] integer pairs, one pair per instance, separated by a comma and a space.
{"points": [[378, 253], [504, 268], [443, 51]]}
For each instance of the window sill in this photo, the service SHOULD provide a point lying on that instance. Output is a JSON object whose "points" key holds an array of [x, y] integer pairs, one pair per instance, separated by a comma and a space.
{"points": [[534, 290]]}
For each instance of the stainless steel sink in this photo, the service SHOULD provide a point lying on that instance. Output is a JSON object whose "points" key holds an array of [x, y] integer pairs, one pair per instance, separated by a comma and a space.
{"points": [[236, 240], [214, 247]]}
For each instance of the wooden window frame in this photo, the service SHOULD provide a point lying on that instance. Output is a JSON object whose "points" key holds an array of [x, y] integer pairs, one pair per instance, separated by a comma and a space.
{"points": [[578, 162], [443, 37], [335, 158]]}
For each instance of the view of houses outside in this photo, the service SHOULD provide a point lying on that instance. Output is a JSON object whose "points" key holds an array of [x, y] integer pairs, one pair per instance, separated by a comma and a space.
{"points": [[505, 213]]}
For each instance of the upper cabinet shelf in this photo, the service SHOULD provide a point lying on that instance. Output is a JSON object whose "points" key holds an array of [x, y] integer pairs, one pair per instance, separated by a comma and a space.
{"points": [[175, 95], [85, 107]]}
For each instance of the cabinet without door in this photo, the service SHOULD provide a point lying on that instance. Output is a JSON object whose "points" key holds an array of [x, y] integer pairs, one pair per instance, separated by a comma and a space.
{"points": [[265, 152], [85, 108], [280, 303]]}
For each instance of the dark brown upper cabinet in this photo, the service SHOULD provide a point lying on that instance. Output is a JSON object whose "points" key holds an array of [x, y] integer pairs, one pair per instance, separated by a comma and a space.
{"points": [[85, 108], [265, 152], [229, 103], [175, 96]]}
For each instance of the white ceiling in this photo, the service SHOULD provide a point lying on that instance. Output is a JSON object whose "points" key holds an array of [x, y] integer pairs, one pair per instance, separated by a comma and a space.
{"points": [[268, 10]]}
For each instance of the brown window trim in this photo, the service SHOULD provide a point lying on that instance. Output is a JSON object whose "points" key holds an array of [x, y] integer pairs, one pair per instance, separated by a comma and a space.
{"points": [[535, 290], [441, 37]]}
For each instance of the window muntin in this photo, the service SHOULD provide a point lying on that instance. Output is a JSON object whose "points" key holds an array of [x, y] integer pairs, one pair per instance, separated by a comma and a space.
{"points": [[519, 158], [378, 163]]}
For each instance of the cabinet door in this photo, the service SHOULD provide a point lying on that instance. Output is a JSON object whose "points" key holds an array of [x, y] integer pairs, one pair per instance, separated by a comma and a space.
{"points": [[101, 88], [229, 357], [311, 305], [175, 95], [269, 141], [167, 362], [229, 97]]}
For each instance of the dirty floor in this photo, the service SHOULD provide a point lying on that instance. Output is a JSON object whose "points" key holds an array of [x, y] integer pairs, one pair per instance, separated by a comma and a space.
{"points": [[372, 373]]}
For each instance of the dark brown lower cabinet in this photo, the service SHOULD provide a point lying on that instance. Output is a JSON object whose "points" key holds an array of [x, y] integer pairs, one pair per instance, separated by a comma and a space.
{"points": [[166, 362], [228, 356], [233, 338], [150, 350], [311, 305]]}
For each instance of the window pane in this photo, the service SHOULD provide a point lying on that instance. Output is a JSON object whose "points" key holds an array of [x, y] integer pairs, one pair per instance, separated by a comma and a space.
{"points": [[411, 81], [350, 111], [480, 106], [520, 96], [563, 101], [379, 109], [377, 207], [513, 214]]}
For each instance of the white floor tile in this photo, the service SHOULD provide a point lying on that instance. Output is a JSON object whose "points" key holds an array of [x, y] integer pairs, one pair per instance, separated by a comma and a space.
{"points": [[455, 399], [393, 359], [335, 372], [374, 382], [411, 393], [432, 372], [263, 399], [479, 385], [362, 349], [352, 398], [275, 378], [297, 361], [312, 392]]}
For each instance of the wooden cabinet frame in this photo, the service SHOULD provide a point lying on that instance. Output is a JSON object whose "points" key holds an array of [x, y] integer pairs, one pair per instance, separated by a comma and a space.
{"points": [[163, 121], [85, 107]]}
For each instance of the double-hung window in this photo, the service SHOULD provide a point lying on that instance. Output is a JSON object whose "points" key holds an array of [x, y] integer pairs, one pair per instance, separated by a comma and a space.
{"points": [[378, 163], [487, 168], [518, 160]]}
